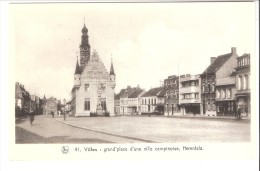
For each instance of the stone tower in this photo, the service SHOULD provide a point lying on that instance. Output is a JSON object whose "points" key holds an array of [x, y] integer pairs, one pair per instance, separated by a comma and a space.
{"points": [[84, 47]]}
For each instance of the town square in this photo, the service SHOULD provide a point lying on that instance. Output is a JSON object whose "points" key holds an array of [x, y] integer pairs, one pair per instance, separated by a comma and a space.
{"points": [[134, 79]]}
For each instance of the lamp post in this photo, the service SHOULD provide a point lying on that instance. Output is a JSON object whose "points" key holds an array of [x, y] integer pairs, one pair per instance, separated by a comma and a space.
{"points": [[64, 101]]}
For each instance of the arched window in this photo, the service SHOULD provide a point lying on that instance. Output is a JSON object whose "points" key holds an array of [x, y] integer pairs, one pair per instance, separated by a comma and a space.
{"points": [[223, 94], [218, 94], [229, 93]]}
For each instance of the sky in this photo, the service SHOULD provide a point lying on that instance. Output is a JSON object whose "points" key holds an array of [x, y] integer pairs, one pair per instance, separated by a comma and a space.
{"points": [[146, 41]]}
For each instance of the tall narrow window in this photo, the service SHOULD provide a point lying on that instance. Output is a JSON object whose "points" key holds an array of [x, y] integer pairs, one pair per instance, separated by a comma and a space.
{"points": [[218, 94], [229, 93], [239, 83], [212, 88], [223, 94], [87, 104], [87, 87], [103, 104], [245, 82]]}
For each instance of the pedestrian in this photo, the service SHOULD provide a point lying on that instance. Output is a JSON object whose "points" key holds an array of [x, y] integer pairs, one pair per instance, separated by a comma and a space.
{"points": [[31, 117], [239, 113], [52, 114], [64, 116]]}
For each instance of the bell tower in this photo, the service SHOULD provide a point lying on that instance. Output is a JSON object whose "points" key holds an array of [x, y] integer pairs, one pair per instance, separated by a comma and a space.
{"points": [[84, 46]]}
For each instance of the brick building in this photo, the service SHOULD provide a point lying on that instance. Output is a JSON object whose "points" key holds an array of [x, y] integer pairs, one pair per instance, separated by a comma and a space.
{"points": [[220, 67], [171, 102]]}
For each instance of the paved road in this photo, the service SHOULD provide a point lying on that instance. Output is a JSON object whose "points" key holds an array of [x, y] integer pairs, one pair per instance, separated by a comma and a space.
{"points": [[169, 129], [131, 130], [47, 130]]}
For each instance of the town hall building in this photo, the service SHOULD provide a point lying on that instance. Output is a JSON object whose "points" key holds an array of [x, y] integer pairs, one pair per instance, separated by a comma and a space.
{"points": [[93, 90]]}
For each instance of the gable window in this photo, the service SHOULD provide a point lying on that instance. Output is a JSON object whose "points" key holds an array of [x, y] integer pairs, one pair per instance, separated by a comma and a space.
{"points": [[102, 87], [87, 87]]}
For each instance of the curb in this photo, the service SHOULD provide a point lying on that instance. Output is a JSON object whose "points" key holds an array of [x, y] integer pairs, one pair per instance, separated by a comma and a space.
{"points": [[109, 133]]}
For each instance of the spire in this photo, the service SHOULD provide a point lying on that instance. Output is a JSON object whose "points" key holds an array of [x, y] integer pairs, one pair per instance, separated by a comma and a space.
{"points": [[84, 29], [77, 70], [112, 68], [84, 46], [44, 98]]}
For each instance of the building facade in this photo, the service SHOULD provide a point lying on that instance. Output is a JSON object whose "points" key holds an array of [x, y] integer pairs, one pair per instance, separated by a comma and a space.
{"points": [[129, 100], [134, 101], [190, 94], [22, 100], [243, 93], [220, 67], [93, 90], [171, 103], [51, 106], [153, 101], [225, 96]]}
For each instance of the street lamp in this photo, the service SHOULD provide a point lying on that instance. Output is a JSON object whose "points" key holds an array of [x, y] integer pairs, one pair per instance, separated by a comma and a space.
{"points": [[64, 101]]}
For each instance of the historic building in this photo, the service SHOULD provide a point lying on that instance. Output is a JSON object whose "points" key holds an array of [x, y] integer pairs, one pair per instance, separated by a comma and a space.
{"points": [[135, 102], [153, 101], [51, 106], [22, 100], [93, 90], [128, 100], [220, 67], [171, 103], [190, 94], [225, 96], [243, 93]]}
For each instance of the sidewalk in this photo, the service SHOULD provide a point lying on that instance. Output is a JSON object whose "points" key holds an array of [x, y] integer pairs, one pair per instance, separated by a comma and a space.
{"points": [[178, 115]]}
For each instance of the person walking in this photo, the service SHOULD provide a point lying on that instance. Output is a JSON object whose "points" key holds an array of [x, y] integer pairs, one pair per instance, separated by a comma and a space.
{"points": [[239, 113], [31, 117]]}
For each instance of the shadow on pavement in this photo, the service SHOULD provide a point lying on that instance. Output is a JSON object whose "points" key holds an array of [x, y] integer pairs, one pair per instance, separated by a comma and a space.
{"points": [[20, 120], [23, 136]]}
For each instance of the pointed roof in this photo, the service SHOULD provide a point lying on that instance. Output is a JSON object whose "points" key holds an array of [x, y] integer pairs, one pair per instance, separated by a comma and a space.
{"points": [[77, 70], [112, 69], [84, 29], [218, 63], [158, 91], [44, 98]]}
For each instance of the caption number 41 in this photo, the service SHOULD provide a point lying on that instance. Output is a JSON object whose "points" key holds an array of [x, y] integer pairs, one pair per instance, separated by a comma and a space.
{"points": [[77, 149]]}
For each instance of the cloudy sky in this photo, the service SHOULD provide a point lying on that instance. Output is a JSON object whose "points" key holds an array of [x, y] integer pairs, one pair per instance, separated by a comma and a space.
{"points": [[146, 41]]}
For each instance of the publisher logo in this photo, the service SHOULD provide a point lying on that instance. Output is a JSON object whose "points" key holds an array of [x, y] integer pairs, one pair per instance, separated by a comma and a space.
{"points": [[65, 149]]}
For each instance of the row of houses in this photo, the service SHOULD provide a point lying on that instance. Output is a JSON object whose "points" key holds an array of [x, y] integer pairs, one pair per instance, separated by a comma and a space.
{"points": [[222, 89], [26, 103]]}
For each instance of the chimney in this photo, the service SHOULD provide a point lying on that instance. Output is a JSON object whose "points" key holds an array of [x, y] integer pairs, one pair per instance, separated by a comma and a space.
{"points": [[212, 59], [234, 50]]}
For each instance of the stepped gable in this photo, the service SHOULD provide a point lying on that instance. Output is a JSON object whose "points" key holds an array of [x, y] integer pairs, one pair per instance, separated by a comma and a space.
{"points": [[219, 61], [95, 68]]}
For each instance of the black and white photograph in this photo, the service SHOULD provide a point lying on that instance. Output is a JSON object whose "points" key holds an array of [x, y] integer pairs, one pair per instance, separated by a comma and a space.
{"points": [[115, 77]]}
